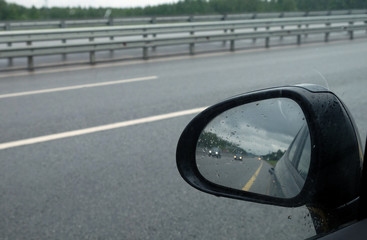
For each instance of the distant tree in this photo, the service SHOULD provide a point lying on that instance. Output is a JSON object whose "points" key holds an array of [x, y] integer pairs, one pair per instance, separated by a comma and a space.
{"points": [[10, 11]]}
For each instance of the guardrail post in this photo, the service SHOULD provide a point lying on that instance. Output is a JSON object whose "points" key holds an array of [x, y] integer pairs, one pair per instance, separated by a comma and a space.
{"points": [[281, 37], [111, 38], [299, 36], [232, 42], [29, 43], [10, 60], [110, 21], [192, 45], [254, 39], [7, 26], [145, 53], [145, 35], [64, 54], [327, 34], [267, 40], [365, 22], [224, 42], [306, 35], [92, 57], [62, 24], [224, 18], [232, 48], [30, 63], [154, 36], [351, 36], [299, 39], [92, 54], [192, 48]]}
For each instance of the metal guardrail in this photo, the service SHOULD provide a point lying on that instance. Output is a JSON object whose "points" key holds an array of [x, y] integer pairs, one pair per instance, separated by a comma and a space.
{"points": [[19, 25], [10, 37], [91, 47], [145, 30]]}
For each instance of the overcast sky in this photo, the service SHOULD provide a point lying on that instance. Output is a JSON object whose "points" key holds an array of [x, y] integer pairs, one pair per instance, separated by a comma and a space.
{"points": [[90, 3], [260, 127]]}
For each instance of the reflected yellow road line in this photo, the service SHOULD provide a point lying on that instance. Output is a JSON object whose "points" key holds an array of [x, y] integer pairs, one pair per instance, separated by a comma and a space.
{"points": [[252, 179]]}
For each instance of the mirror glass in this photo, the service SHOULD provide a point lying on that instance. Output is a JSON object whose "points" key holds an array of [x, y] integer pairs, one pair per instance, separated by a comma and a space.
{"points": [[262, 147]]}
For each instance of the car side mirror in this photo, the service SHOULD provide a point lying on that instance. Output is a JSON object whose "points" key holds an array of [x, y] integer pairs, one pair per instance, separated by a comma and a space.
{"points": [[285, 146]]}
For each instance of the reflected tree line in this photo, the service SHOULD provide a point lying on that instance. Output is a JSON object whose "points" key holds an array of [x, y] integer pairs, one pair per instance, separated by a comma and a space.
{"points": [[11, 11], [274, 156]]}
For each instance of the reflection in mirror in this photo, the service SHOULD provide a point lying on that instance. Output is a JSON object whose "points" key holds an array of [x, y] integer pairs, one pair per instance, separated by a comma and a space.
{"points": [[262, 147]]}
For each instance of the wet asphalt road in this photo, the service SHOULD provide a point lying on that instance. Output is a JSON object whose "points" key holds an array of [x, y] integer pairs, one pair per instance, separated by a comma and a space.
{"points": [[122, 183]]}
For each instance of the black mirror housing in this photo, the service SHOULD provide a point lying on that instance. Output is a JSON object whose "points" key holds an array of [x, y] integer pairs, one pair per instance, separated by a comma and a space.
{"points": [[336, 156]]}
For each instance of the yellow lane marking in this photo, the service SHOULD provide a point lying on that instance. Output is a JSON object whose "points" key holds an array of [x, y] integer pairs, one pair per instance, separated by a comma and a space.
{"points": [[77, 87], [98, 128], [252, 179]]}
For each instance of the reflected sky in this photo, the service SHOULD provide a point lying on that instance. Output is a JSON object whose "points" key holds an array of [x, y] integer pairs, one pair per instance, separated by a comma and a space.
{"points": [[260, 127]]}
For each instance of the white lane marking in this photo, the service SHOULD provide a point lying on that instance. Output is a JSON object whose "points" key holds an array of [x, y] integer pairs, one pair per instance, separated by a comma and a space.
{"points": [[98, 128], [77, 87]]}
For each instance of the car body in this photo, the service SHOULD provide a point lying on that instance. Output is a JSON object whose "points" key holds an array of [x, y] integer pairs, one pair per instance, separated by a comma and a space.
{"points": [[214, 152], [290, 172], [238, 156]]}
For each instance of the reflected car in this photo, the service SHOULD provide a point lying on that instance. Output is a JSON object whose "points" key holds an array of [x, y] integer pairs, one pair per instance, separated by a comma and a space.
{"points": [[289, 174], [238, 157], [215, 152]]}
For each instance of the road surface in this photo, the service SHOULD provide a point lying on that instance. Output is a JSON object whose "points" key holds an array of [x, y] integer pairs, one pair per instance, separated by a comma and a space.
{"points": [[120, 181]]}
